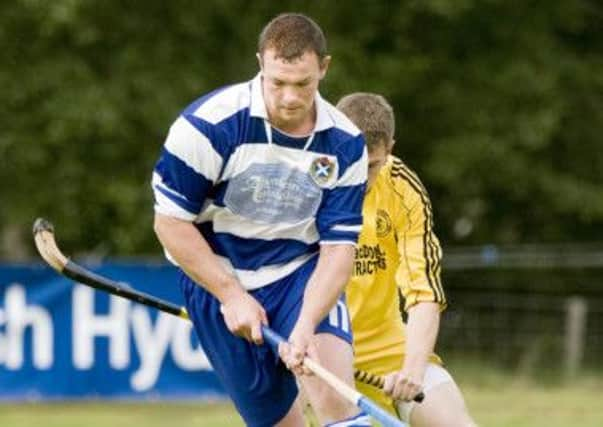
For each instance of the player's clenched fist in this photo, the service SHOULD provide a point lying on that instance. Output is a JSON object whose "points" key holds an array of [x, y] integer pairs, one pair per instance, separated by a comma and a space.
{"points": [[244, 316], [401, 386], [300, 345]]}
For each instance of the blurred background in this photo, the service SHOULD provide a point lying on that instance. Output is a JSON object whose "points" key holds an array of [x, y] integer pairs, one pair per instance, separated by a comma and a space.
{"points": [[499, 108]]}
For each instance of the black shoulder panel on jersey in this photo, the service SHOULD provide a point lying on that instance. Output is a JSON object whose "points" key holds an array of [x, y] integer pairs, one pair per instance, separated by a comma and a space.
{"points": [[431, 249]]}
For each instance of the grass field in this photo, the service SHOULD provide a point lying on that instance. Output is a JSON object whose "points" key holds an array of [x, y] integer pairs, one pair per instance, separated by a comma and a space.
{"points": [[494, 400]]}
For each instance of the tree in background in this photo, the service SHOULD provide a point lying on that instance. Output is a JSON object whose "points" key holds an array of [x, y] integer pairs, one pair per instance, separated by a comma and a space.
{"points": [[500, 107]]}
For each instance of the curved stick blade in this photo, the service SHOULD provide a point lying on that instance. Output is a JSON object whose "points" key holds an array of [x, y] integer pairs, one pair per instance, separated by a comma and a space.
{"points": [[43, 232]]}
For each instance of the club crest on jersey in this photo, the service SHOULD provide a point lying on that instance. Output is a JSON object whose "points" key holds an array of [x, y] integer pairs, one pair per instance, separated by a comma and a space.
{"points": [[321, 170], [383, 223]]}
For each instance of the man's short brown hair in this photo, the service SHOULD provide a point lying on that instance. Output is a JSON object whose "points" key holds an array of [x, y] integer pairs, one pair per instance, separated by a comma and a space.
{"points": [[372, 114], [291, 35]]}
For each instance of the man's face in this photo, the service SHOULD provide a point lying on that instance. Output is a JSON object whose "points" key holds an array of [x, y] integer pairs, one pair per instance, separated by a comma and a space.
{"points": [[377, 157], [289, 88]]}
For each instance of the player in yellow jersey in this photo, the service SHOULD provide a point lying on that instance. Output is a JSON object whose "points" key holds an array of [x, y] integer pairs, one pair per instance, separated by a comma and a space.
{"points": [[398, 251]]}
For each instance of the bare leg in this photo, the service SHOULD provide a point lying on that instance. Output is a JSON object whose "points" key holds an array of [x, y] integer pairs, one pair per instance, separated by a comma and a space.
{"points": [[335, 355], [294, 417], [304, 402], [443, 406]]}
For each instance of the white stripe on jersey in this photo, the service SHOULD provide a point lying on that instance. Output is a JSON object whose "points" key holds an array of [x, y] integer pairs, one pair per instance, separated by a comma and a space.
{"points": [[164, 205], [225, 221], [346, 228], [193, 148], [340, 120], [224, 104], [253, 279], [247, 154], [356, 173], [337, 242]]}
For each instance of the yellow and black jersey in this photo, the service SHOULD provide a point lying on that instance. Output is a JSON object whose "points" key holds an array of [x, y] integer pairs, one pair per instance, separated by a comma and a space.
{"points": [[397, 249]]}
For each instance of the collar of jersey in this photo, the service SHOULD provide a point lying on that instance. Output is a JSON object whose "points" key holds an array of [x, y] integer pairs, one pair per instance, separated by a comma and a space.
{"points": [[258, 107]]}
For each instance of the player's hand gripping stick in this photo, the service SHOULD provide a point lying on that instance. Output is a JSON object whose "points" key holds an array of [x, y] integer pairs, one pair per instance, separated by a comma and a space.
{"points": [[339, 386]]}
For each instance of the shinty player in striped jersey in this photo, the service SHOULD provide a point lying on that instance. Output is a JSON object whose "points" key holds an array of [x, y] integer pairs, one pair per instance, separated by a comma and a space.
{"points": [[398, 251], [258, 198]]}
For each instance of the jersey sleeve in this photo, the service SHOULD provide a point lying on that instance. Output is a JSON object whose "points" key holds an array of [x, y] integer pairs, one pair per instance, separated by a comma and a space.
{"points": [[339, 219], [418, 275], [187, 168]]}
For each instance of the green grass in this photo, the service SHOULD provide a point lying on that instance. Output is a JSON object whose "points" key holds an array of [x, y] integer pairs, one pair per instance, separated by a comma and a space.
{"points": [[523, 404], [119, 415], [498, 400], [495, 400]]}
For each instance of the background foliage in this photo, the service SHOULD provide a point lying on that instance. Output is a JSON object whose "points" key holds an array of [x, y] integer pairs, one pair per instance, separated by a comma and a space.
{"points": [[499, 106]]}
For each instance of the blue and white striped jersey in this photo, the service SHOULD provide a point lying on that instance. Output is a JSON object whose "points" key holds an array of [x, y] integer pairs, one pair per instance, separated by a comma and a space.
{"points": [[263, 200]]}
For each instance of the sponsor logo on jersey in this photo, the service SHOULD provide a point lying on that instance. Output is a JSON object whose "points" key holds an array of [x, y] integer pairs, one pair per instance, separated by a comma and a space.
{"points": [[273, 193], [321, 170], [368, 260], [383, 223]]}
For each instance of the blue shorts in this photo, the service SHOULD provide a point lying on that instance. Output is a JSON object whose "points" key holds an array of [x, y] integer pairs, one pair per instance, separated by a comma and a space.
{"points": [[260, 385]]}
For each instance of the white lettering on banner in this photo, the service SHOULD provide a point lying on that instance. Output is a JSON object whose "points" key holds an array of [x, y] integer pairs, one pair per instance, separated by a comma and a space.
{"points": [[87, 325], [185, 355], [151, 345], [16, 318], [151, 339]]}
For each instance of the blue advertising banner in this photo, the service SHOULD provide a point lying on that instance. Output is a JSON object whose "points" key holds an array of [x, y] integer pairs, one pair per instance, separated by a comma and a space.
{"points": [[62, 340]]}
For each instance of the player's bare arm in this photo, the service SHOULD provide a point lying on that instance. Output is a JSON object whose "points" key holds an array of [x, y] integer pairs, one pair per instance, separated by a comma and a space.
{"points": [[422, 332], [242, 313], [324, 288]]}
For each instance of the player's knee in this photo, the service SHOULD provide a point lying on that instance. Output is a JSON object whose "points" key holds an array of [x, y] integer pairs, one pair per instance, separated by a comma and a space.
{"points": [[443, 406], [328, 405], [443, 420], [359, 420]]}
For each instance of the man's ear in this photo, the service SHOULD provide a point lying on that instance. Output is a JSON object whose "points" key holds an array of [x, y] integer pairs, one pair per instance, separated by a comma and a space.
{"points": [[324, 66], [260, 62]]}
